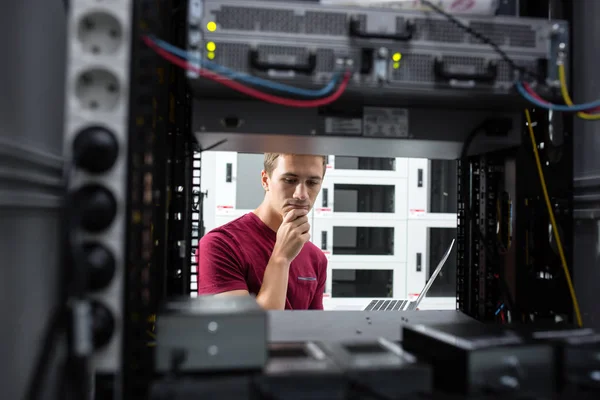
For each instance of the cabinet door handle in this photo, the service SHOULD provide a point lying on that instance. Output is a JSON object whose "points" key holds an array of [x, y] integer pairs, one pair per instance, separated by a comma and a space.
{"points": [[324, 240], [325, 194], [420, 177], [228, 172], [419, 262]]}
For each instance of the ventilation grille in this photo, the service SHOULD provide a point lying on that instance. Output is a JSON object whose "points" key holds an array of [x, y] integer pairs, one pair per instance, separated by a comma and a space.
{"points": [[413, 67], [438, 31], [326, 23], [337, 24], [505, 34], [283, 21], [419, 67], [416, 68]]}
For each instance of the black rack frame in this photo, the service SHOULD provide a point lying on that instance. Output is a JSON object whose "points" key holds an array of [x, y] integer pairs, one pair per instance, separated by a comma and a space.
{"points": [[160, 206], [541, 288], [148, 183], [530, 270], [178, 263], [196, 214]]}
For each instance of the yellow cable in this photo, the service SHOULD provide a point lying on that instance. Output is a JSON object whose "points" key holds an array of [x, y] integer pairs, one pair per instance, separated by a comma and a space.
{"points": [[567, 98], [553, 221]]}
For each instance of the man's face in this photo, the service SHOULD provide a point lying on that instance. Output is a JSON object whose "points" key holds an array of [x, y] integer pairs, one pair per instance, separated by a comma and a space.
{"points": [[294, 183]]}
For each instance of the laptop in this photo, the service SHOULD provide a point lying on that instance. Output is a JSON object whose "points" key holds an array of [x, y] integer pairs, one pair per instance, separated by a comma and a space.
{"points": [[407, 305]]}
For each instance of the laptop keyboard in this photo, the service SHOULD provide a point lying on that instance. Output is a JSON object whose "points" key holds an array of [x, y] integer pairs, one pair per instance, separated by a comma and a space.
{"points": [[386, 305]]}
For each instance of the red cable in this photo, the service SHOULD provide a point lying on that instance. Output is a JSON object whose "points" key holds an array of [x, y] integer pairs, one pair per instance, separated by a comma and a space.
{"points": [[538, 98], [248, 90], [534, 94], [276, 99]]}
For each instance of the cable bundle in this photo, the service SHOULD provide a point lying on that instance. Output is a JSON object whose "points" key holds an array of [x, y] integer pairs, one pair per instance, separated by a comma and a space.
{"points": [[229, 78], [328, 94]]}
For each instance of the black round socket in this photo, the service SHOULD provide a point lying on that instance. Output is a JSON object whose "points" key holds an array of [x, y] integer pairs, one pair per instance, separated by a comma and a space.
{"points": [[100, 264], [96, 206], [95, 149], [103, 324]]}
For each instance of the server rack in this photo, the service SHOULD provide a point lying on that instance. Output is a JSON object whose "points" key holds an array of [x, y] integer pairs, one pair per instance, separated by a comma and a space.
{"points": [[405, 237]]}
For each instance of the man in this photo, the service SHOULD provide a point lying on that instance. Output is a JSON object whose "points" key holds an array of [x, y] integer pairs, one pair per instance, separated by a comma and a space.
{"points": [[267, 252]]}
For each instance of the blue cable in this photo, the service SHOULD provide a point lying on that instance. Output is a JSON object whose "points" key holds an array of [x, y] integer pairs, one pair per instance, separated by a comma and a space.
{"points": [[253, 80], [555, 107], [499, 309]]}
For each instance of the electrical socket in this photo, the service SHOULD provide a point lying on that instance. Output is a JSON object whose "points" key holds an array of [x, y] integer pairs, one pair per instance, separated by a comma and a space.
{"points": [[97, 90], [99, 33]]}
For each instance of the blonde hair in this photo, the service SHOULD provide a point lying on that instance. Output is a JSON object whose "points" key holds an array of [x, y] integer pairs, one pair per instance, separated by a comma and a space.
{"points": [[271, 162]]}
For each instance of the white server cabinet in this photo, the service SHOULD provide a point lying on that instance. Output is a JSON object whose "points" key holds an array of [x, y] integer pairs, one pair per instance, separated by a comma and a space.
{"points": [[427, 241], [360, 240], [367, 198], [431, 187], [366, 167], [231, 185], [365, 280]]}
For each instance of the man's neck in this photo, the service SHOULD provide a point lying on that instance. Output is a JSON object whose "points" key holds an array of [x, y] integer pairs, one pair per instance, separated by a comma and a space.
{"points": [[268, 216]]}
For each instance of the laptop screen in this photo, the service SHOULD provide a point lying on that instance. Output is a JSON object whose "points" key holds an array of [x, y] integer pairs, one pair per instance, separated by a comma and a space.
{"points": [[435, 274]]}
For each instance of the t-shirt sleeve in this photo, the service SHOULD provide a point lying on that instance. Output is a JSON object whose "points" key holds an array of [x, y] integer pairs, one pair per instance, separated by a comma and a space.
{"points": [[317, 302], [220, 268]]}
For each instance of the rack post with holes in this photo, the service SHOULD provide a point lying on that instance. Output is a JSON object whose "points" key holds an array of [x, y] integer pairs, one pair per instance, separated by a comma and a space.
{"points": [[148, 198]]}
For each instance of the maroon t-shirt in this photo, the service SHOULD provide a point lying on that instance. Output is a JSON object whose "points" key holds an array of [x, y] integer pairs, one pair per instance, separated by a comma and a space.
{"points": [[234, 257]]}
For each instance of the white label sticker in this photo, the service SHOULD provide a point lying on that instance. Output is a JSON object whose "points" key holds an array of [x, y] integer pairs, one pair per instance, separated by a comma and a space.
{"points": [[417, 212], [343, 126], [385, 122], [225, 210], [324, 211]]}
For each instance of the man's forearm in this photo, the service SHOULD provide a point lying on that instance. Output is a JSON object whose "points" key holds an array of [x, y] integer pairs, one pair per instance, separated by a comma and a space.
{"points": [[273, 291]]}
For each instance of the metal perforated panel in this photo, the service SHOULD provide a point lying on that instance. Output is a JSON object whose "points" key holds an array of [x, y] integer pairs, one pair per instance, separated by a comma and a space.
{"points": [[285, 21], [331, 23], [325, 23], [288, 33], [419, 67], [257, 19], [233, 55], [415, 68], [511, 35], [325, 60], [438, 31], [505, 73]]}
